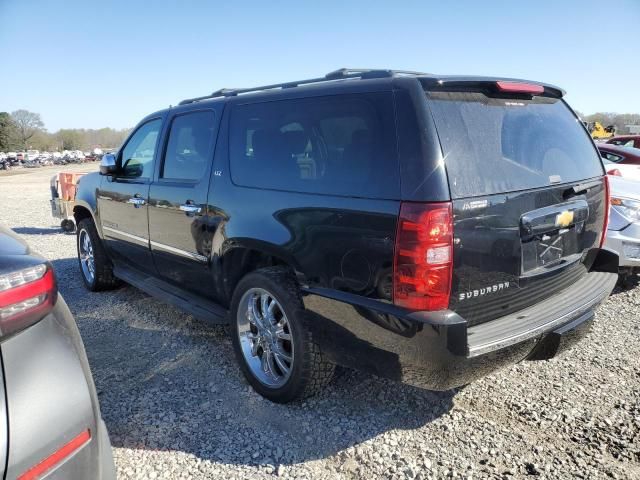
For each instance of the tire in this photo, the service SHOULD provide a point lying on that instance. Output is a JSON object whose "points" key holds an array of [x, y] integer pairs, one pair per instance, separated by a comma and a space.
{"points": [[102, 277], [68, 225], [309, 373]]}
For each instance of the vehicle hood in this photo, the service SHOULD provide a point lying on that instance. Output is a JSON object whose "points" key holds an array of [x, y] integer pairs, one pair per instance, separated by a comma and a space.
{"points": [[628, 171], [623, 187]]}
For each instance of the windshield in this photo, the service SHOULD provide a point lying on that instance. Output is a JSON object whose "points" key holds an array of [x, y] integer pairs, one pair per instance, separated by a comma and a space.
{"points": [[497, 145]]}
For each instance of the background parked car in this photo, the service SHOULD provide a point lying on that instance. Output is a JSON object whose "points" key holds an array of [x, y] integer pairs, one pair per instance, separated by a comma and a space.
{"points": [[50, 414], [618, 154], [623, 234], [625, 140], [12, 157], [32, 155]]}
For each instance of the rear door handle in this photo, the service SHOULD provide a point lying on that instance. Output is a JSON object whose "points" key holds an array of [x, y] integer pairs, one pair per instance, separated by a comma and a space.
{"points": [[190, 209], [136, 200]]}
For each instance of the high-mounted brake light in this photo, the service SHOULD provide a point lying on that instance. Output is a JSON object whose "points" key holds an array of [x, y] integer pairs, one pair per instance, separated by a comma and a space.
{"points": [[57, 457], [607, 206], [423, 256], [26, 296], [519, 87]]}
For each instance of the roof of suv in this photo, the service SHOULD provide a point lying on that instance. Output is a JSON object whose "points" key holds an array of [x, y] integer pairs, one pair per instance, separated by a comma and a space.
{"points": [[348, 79]]}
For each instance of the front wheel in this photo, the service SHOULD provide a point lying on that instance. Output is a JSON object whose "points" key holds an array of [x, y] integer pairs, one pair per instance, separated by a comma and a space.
{"points": [[95, 267], [273, 345]]}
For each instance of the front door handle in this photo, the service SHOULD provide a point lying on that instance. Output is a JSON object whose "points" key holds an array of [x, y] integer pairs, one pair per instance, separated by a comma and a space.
{"points": [[190, 209], [136, 200]]}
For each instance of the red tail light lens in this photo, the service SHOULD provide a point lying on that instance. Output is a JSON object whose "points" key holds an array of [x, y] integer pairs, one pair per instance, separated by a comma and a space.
{"points": [[26, 295], [615, 172], [520, 87], [607, 206], [423, 256]]}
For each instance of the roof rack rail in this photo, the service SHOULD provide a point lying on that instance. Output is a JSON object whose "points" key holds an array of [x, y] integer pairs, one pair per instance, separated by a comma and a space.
{"points": [[368, 73], [340, 74]]}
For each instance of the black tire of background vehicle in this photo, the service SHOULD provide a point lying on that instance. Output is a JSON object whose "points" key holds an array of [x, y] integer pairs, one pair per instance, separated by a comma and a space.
{"points": [[311, 372], [103, 278], [68, 225]]}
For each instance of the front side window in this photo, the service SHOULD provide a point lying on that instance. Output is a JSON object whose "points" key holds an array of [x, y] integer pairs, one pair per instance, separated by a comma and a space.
{"points": [[138, 153], [339, 145], [190, 146]]}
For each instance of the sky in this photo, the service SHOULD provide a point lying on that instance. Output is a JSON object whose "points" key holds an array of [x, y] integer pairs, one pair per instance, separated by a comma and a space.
{"points": [[93, 64]]}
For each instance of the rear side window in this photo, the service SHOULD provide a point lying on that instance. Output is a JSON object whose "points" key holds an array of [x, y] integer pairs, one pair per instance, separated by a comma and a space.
{"points": [[626, 143], [190, 145], [612, 157], [338, 145], [496, 145]]}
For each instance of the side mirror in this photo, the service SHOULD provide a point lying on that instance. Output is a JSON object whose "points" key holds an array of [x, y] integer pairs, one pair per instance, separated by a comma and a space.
{"points": [[108, 164]]}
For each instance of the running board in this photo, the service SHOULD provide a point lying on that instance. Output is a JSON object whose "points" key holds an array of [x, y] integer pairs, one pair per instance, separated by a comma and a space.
{"points": [[198, 307]]}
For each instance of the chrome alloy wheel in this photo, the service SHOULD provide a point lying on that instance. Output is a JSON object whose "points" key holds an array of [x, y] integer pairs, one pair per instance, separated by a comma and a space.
{"points": [[265, 337], [85, 252]]}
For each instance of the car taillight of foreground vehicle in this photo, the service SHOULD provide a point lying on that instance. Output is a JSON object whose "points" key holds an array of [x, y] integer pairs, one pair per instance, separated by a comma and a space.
{"points": [[26, 295], [423, 256]]}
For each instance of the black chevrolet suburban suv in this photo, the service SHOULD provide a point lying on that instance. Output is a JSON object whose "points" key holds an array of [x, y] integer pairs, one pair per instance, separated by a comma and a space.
{"points": [[423, 228]]}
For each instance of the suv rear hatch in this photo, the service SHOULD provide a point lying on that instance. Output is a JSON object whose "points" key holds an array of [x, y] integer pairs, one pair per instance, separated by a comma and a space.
{"points": [[528, 194]]}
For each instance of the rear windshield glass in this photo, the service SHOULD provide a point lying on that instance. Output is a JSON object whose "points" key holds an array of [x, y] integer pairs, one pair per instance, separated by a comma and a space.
{"points": [[496, 145]]}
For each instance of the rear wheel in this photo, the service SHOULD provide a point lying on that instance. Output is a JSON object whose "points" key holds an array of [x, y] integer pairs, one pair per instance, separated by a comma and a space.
{"points": [[95, 267], [273, 345]]}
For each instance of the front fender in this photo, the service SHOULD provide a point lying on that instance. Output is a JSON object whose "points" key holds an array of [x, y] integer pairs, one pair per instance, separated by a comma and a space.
{"points": [[86, 198]]}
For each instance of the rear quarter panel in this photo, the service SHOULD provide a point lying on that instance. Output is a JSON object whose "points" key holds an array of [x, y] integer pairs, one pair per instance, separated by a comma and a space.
{"points": [[343, 243], [51, 398]]}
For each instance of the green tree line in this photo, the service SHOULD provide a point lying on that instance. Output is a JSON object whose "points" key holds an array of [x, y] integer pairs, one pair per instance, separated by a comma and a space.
{"points": [[22, 130]]}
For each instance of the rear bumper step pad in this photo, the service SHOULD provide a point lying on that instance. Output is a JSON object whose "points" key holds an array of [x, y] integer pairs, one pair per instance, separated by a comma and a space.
{"points": [[567, 305]]}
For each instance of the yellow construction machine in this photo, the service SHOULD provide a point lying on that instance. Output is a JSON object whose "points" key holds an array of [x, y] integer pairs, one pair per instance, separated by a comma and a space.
{"points": [[598, 131]]}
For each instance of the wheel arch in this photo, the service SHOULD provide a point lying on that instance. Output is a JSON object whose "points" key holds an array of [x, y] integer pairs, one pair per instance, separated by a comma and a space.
{"points": [[242, 257], [82, 210]]}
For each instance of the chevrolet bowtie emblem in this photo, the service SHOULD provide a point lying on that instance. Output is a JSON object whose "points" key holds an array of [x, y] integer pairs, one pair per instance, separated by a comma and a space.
{"points": [[564, 219]]}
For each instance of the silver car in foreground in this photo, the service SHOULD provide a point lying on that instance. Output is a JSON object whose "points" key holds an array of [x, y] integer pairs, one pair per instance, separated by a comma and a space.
{"points": [[50, 422], [623, 234]]}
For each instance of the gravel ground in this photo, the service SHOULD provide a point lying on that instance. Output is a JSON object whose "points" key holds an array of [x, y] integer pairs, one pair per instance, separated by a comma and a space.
{"points": [[177, 406]]}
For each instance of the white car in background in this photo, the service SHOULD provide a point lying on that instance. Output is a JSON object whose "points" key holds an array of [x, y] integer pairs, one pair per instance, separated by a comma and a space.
{"points": [[623, 233], [624, 170], [32, 155]]}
